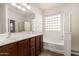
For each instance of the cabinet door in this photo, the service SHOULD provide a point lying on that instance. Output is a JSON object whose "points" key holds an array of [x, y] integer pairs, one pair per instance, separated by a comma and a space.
{"points": [[41, 42], [23, 48], [37, 43], [32, 46], [32, 51], [9, 50]]}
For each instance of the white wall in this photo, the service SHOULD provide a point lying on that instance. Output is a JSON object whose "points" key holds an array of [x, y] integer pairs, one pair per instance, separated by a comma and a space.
{"points": [[2, 19], [73, 9], [37, 25], [75, 27], [18, 17]]}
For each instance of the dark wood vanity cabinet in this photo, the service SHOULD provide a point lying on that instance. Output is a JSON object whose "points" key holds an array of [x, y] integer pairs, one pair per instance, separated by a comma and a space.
{"points": [[37, 47], [32, 46], [27, 47], [41, 42], [9, 50], [23, 48]]}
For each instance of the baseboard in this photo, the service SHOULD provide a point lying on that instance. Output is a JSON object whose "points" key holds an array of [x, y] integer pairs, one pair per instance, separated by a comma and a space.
{"points": [[75, 53]]}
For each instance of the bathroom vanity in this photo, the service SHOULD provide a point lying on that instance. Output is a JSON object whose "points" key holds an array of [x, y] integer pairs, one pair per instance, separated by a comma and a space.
{"points": [[16, 23], [28, 46]]}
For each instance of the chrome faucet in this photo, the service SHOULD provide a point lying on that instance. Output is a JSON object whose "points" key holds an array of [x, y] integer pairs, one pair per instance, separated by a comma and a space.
{"points": [[9, 34]]}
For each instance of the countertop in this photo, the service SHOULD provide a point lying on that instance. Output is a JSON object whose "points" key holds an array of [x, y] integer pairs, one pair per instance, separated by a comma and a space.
{"points": [[17, 37]]}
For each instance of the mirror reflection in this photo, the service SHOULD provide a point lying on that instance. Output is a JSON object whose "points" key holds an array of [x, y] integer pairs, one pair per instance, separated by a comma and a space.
{"points": [[20, 18]]}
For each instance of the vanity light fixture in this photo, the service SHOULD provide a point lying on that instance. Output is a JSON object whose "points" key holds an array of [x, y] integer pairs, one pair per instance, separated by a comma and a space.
{"points": [[22, 6], [23, 9], [19, 7], [26, 5]]}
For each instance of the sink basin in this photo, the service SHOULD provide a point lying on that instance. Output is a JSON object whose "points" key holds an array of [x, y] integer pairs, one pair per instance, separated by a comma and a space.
{"points": [[3, 39]]}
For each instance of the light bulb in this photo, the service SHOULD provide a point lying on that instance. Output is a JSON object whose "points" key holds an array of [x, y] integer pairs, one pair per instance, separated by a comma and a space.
{"points": [[19, 7], [28, 7], [23, 9]]}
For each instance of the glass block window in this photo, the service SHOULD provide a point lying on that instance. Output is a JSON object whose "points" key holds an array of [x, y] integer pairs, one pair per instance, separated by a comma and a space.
{"points": [[52, 22]]}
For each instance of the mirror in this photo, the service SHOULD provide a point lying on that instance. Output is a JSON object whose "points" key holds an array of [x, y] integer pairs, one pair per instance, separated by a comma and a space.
{"points": [[19, 20], [2, 19], [24, 26]]}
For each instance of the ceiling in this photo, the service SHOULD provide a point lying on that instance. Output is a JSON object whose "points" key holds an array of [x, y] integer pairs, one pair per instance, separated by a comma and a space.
{"points": [[46, 6]]}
